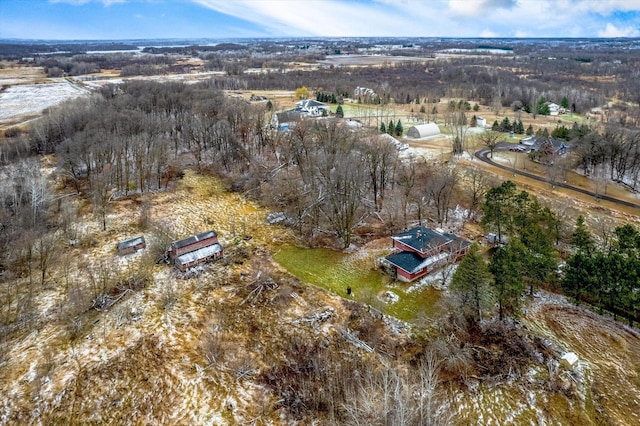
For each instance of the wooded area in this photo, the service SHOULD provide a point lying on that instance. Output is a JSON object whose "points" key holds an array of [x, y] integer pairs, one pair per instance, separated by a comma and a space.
{"points": [[335, 185]]}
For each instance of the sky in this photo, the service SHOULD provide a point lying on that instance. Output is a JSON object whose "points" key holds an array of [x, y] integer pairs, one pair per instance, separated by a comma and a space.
{"points": [[185, 19]]}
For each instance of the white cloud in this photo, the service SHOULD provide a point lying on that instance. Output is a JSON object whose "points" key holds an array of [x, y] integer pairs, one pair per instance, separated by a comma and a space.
{"points": [[606, 7], [311, 17], [412, 18], [488, 34], [613, 31]]}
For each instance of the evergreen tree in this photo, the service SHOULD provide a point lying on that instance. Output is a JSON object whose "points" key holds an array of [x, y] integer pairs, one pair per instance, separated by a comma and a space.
{"points": [[564, 103], [383, 129], [530, 130], [507, 269], [476, 108], [541, 106], [579, 277], [581, 238], [269, 105], [422, 109], [498, 208], [505, 126], [496, 126], [399, 129], [545, 133], [391, 128], [471, 284], [339, 112]]}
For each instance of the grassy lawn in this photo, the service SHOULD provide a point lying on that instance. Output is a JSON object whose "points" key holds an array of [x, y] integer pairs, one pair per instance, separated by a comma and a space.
{"points": [[335, 271]]}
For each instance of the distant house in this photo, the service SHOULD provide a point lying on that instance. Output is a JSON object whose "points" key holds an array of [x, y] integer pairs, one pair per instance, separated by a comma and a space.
{"points": [[131, 246], [555, 109], [312, 108], [420, 250], [192, 251], [423, 131], [364, 94], [284, 120], [542, 144], [481, 122]]}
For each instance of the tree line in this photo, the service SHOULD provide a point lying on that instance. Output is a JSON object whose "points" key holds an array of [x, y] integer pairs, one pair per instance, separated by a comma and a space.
{"points": [[607, 277], [526, 257]]}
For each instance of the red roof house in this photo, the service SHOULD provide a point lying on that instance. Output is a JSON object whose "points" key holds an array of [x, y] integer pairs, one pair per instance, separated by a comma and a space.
{"points": [[194, 250], [420, 250]]}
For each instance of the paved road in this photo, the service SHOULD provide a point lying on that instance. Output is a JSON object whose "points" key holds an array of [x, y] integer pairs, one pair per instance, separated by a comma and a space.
{"points": [[482, 155]]}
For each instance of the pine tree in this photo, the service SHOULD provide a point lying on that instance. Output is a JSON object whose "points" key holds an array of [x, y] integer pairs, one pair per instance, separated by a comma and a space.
{"points": [[339, 112], [530, 130], [399, 129], [505, 126], [383, 129], [564, 103], [391, 128], [471, 284], [506, 267]]}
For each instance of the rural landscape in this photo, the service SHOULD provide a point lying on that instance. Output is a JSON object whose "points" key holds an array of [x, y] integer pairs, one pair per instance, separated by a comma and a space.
{"points": [[320, 231]]}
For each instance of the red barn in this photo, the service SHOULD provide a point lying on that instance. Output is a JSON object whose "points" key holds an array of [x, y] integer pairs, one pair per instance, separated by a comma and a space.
{"points": [[194, 250], [421, 250]]}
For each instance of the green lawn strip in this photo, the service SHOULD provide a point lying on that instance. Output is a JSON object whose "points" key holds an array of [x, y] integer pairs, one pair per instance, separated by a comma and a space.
{"points": [[328, 269]]}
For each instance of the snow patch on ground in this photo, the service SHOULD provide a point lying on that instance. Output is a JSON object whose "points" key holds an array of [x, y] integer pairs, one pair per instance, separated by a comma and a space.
{"points": [[434, 279]]}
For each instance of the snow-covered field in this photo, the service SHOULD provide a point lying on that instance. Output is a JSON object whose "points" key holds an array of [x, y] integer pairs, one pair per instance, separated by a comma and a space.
{"points": [[26, 100]]}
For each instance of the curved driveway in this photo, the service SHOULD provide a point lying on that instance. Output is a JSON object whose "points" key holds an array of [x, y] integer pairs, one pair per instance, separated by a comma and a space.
{"points": [[482, 155]]}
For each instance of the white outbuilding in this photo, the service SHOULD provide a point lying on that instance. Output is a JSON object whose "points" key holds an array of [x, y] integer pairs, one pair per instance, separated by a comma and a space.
{"points": [[423, 131], [569, 360]]}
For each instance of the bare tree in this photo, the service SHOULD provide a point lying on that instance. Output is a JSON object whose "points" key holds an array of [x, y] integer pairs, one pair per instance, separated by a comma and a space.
{"points": [[490, 139], [46, 247], [476, 185], [440, 187], [380, 158]]}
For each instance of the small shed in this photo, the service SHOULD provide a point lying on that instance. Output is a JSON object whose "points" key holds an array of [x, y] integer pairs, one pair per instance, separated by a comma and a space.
{"points": [[423, 131], [131, 246], [569, 360]]}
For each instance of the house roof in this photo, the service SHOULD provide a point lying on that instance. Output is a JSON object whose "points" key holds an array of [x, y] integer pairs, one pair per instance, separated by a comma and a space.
{"points": [[202, 253], [406, 260], [288, 116], [537, 141], [422, 239], [194, 239], [412, 262], [310, 103], [130, 243]]}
